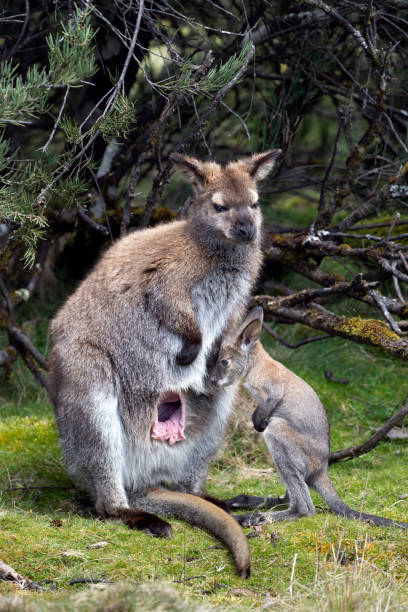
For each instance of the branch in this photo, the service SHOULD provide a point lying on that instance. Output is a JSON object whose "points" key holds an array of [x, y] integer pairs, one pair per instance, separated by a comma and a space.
{"points": [[346, 25], [97, 227], [364, 331], [365, 447], [273, 333], [21, 338], [195, 131], [8, 573]]}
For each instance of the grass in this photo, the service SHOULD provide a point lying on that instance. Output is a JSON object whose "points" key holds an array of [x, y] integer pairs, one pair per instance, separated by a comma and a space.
{"points": [[318, 563]]}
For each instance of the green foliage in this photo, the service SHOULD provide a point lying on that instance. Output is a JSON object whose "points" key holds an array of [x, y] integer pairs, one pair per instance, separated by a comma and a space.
{"points": [[71, 51], [118, 121], [18, 191], [214, 80], [71, 59], [21, 100], [320, 563], [71, 130]]}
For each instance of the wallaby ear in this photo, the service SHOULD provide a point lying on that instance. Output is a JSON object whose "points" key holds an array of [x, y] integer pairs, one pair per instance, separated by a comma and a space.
{"points": [[261, 164], [251, 328], [191, 169]]}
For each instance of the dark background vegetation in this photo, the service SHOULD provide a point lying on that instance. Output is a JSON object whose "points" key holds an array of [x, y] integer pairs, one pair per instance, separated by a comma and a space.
{"points": [[94, 96]]}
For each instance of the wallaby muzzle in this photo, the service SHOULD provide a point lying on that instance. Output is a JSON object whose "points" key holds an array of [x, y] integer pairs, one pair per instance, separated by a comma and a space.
{"points": [[244, 231]]}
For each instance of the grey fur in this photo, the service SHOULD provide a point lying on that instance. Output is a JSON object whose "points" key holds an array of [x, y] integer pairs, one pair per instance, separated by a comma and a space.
{"points": [[117, 340], [295, 429]]}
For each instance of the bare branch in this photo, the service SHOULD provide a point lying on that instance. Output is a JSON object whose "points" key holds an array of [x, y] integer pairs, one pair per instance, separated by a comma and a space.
{"points": [[355, 451]]}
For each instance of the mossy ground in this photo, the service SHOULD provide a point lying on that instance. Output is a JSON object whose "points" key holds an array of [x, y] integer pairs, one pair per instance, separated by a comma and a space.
{"points": [[314, 563]]}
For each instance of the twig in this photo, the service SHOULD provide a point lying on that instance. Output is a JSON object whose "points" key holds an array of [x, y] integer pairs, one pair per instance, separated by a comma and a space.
{"points": [[10, 574], [21, 338], [39, 487], [97, 227], [89, 581], [195, 131], [22, 31], [273, 333], [190, 578], [378, 299], [329, 10], [134, 178], [8, 356], [365, 447], [54, 129], [392, 224]]}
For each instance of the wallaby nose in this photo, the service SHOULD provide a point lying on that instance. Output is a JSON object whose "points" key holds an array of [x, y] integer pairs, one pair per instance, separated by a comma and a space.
{"points": [[260, 423], [245, 231]]}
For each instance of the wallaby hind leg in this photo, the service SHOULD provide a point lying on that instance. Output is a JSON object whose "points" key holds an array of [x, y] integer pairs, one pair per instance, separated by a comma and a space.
{"points": [[94, 450], [250, 502], [300, 504]]}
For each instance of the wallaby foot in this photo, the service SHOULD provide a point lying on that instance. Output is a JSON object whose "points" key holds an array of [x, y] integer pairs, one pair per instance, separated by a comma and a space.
{"points": [[218, 502], [189, 351], [146, 522], [250, 502], [252, 519]]}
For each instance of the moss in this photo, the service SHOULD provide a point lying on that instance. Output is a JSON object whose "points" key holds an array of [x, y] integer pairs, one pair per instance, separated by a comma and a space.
{"points": [[371, 330]]}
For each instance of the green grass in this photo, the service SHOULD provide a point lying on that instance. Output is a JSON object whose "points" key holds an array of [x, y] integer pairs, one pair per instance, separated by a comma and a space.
{"points": [[45, 535]]}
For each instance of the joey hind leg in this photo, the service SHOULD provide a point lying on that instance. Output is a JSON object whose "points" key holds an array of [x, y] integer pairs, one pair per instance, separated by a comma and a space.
{"points": [[292, 465], [300, 504]]}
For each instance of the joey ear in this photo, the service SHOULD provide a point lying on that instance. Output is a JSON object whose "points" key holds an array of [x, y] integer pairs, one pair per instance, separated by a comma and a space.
{"points": [[191, 169], [261, 164], [251, 328]]}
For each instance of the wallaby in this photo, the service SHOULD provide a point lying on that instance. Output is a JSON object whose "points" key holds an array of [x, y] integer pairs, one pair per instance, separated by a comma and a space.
{"points": [[294, 425], [128, 368]]}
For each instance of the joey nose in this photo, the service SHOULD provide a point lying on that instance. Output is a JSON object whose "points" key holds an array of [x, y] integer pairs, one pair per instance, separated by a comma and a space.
{"points": [[259, 421]]}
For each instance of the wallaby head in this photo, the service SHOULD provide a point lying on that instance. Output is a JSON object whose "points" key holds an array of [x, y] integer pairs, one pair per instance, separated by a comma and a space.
{"points": [[225, 202], [234, 356]]}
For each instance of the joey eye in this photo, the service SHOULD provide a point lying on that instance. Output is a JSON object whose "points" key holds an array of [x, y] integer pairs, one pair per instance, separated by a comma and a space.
{"points": [[225, 362], [254, 205], [218, 208]]}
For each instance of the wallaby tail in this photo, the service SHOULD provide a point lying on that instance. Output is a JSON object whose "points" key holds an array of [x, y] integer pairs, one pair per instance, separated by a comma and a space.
{"points": [[324, 487], [202, 513]]}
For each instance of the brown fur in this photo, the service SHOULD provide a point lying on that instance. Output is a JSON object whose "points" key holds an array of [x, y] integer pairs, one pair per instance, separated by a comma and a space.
{"points": [[143, 323]]}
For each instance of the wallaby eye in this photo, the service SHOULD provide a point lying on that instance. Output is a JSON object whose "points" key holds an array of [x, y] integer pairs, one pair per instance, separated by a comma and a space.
{"points": [[225, 362], [218, 208], [254, 205]]}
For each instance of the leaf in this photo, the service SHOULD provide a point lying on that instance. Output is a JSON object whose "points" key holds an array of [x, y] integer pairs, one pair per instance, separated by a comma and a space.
{"points": [[397, 434], [101, 544]]}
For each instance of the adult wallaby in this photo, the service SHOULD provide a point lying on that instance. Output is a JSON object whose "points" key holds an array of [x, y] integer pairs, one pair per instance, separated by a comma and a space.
{"points": [[129, 349], [294, 425]]}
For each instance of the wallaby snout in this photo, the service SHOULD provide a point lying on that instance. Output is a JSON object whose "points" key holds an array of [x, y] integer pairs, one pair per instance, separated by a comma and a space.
{"points": [[259, 420], [245, 231]]}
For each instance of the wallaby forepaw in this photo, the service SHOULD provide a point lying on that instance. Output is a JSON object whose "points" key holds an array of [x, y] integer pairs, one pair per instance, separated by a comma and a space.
{"points": [[189, 352], [251, 519]]}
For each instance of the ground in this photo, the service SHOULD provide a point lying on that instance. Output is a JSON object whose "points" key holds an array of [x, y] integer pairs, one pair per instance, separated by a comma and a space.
{"points": [[319, 563]]}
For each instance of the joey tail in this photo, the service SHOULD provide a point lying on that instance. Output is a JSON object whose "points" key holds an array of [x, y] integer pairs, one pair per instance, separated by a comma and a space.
{"points": [[324, 486], [199, 512]]}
